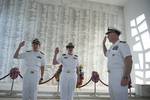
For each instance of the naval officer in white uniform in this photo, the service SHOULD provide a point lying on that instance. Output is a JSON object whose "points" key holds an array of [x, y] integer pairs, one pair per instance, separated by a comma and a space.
{"points": [[119, 65], [68, 77], [34, 63]]}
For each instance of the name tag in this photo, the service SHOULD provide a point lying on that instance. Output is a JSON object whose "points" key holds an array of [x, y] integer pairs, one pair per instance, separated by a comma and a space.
{"points": [[74, 58], [115, 48], [65, 57]]}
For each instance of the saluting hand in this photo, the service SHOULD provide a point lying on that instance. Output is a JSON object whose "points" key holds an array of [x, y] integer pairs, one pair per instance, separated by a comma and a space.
{"points": [[56, 50], [22, 44]]}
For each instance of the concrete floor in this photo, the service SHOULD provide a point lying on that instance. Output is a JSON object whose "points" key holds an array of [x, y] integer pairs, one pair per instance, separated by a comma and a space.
{"points": [[140, 98], [49, 93]]}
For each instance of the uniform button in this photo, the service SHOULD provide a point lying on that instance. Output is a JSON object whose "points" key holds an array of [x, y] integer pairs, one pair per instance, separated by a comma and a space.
{"points": [[68, 71], [113, 54], [31, 72], [108, 71]]}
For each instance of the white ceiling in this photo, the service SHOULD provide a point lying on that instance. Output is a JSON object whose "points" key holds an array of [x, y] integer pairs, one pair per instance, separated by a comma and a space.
{"points": [[114, 2]]}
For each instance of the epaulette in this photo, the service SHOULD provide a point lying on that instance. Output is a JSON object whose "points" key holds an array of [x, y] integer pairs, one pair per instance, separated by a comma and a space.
{"points": [[63, 54], [41, 52], [75, 55], [122, 41], [29, 51]]}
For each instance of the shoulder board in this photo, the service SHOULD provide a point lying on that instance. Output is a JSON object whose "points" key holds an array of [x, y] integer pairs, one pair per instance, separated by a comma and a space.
{"points": [[29, 51], [122, 41], [75, 55], [63, 54], [41, 52]]}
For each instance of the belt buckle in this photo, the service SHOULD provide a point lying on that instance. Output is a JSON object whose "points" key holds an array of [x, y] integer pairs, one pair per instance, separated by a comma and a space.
{"points": [[31, 72], [68, 71]]}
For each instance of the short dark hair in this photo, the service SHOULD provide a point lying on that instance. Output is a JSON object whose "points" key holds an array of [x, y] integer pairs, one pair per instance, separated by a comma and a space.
{"points": [[70, 45], [36, 41]]}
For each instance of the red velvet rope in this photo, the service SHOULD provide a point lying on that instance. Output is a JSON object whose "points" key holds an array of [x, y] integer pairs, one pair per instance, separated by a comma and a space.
{"points": [[103, 82], [20, 75], [85, 83], [47, 80], [14, 73], [5, 76], [95, 78]]}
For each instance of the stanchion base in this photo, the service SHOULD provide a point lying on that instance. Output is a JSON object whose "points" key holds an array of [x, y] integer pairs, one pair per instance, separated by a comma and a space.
{"points": [[94, 95], [56, 95], [11, 94]]}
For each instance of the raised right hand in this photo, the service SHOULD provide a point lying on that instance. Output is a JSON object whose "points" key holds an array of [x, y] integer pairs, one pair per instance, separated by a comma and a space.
{"points": [[22, 44], [56, 50]]}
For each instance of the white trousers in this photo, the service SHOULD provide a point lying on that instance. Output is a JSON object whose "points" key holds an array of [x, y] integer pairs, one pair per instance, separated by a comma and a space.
{"points": [[67, 85], [30, 82], [117, 92]]}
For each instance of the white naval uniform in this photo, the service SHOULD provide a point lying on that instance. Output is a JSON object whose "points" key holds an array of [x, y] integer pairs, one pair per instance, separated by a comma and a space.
{"points": [[68, 77], [116, 54], [32, 73]]}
